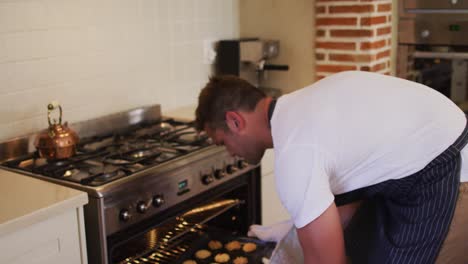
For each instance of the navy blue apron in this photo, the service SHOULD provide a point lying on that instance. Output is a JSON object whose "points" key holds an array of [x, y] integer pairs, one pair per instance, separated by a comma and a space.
{"points": [[405, 220]]}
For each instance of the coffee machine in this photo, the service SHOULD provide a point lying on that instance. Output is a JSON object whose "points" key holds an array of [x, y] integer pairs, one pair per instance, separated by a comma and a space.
{"points": [[248, 59]]}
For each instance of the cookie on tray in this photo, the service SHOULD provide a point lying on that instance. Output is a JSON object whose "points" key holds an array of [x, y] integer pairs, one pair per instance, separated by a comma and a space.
{"points": [[233, 245], [222, 258], [215, 244], [202, 254], [240, 260], [249, 247], [189, 261]]}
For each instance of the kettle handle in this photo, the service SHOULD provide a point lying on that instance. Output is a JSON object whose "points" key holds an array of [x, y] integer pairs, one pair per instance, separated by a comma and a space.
{"points": [[51, 107]]}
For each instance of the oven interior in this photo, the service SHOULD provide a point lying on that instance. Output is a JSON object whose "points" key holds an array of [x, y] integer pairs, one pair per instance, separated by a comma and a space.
{"points": [[224, 213]]}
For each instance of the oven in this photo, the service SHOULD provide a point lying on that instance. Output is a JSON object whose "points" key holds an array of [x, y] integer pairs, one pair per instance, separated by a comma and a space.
{"points": [[158, 190], [170, 236], [433, 47]]}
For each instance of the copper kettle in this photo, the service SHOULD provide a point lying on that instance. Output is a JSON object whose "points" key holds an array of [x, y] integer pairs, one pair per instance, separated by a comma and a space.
{"points": [[58, 141]]}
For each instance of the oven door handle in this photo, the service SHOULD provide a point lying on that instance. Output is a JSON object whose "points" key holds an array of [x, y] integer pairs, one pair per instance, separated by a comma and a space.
{"points": [[440, 55]]}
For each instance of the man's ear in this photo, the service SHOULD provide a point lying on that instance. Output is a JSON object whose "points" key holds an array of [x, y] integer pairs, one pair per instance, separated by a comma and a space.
{"points": [[235, 121]]}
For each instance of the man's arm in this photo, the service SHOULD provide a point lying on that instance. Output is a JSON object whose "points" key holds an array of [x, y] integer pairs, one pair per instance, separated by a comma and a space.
{"points": [[322, 239]]}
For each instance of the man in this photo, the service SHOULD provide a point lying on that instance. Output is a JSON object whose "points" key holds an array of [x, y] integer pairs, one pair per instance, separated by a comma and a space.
{"points": [[377, 156]]}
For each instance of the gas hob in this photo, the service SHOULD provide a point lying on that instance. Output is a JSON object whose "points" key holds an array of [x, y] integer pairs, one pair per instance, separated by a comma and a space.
{"points": [[104, 158]]}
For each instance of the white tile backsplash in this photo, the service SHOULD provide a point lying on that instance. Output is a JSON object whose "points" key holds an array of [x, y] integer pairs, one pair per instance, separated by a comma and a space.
{"points": [[99, 57], [23, 16]]}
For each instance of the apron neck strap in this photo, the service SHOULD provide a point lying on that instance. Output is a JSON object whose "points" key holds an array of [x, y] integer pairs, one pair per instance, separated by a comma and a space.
{"points": [[271, 108]]}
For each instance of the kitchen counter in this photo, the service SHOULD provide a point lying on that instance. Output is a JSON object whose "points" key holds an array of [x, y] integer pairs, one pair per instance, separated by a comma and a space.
{"points": [[25, 201]]}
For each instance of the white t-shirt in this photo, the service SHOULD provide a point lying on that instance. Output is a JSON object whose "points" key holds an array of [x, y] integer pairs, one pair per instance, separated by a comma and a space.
{"points": [[355, 129]]}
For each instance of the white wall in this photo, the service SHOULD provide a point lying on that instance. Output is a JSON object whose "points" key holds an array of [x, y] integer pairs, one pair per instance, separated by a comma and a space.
{"points": [[273, 211], [293, 24], [101, 56]]}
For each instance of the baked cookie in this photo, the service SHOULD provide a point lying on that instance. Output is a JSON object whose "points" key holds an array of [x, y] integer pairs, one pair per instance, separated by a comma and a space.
{"points": [[233, 245], [202, 254], [240, 260], [189, 261], [222, 258], [215, 244], [249, 247]]}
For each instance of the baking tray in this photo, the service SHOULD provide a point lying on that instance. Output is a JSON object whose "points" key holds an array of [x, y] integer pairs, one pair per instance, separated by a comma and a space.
{"points": [[264, 249]]}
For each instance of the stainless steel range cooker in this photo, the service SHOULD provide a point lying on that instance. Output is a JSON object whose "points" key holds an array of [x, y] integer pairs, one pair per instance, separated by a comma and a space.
{"points": [[155, 185]]}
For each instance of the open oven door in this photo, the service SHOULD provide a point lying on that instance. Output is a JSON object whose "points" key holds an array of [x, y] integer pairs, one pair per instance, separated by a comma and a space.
{"points": [[222, 214]]}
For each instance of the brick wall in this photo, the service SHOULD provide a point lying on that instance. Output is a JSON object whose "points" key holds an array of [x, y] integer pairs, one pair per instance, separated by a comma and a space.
{"points": [[353, 35]]}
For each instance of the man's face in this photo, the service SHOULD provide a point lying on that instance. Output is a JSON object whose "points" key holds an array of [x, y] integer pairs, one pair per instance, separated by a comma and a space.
{"points": [[242, 145]]}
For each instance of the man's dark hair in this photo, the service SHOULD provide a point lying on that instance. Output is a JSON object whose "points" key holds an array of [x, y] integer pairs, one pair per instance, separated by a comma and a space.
{"points": [[222, 94]]}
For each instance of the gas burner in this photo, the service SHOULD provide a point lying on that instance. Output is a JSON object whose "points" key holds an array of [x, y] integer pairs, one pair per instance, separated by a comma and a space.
{"points": [[158, 130], [103, 169], [134, 145], [133, 156], [188, 136], [104, 174], [144, 153], [75, 174], [27, 163], [165, 156], [99, 144], [191, 138], [34, 163], [107, 177], [95, 173], [58, 163]]}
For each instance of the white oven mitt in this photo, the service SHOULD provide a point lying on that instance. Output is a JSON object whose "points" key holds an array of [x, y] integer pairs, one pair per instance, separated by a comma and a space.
{"points": [[272, 233], [288, 248]]}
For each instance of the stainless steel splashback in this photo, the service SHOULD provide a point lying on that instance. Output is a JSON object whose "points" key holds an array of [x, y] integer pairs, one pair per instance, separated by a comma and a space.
{"points": [[117, 122], [20, 146]]}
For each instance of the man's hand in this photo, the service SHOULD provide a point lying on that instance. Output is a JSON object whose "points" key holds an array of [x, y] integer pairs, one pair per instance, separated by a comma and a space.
{"points": [[322, 239]]}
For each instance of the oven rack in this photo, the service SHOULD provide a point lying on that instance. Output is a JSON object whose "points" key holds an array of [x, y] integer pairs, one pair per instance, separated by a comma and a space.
{"points": [[181, 232]]}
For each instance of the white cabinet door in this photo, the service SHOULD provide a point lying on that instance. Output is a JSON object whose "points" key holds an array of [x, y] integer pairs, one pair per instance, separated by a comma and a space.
{"points": [[59, 239]]}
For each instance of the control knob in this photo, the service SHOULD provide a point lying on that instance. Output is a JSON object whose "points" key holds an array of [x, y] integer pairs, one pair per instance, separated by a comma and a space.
{"points": [[219, 174], [125, 215], [230, 169], [142, 207], [241, 164], [207, 179], [158, 200]]}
